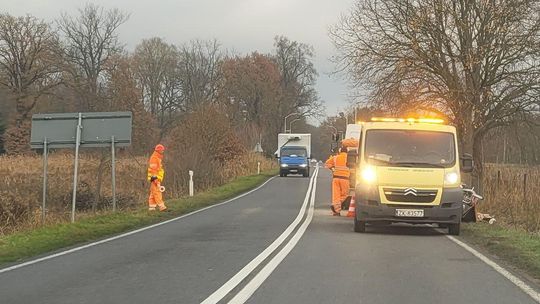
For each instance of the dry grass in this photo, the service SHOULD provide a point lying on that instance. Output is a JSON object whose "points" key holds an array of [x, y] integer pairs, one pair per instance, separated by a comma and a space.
{"points": [[21, 186], [512, 195]]}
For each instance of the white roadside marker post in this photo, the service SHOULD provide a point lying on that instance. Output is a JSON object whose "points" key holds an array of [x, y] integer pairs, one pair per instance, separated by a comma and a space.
{"points": [[258, 168], [191, 183]]}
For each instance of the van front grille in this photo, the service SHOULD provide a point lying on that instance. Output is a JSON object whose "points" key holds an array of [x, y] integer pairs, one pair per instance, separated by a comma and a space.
{"points": [[410, 195]]}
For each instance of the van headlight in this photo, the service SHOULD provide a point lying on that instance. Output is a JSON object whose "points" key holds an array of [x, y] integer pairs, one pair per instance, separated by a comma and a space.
{"points": [[284, 165], [369, 175], [303, 165], [451, 179]]}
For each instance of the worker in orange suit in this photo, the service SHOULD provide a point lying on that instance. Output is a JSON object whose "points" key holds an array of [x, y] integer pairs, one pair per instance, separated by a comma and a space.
{"points": [[155, 177], [340, 179]]}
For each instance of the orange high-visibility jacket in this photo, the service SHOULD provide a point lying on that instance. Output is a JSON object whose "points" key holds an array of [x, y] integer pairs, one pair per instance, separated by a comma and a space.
{"points": [[339, 164], [155, 167]]}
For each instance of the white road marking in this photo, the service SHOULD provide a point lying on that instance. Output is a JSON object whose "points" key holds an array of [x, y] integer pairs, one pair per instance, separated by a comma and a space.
{"points": [[512, 278], [226, 288], [267, 270], [128, 233]]}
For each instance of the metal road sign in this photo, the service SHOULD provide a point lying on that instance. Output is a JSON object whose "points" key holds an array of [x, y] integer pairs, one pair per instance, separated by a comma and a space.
{"points": [[76, 130], [97, 129]]}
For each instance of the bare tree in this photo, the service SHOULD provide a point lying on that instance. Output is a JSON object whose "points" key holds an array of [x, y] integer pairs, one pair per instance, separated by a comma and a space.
{"points": [[475, 61], [29, 69], [90, 40], [200, 72], [156, 64], [298, 77]]}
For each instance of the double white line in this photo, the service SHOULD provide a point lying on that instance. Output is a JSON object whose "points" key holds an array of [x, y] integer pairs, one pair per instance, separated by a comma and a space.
{"points": [[256, 282]]}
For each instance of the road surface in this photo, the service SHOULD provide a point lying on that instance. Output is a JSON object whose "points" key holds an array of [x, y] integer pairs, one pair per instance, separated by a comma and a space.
{"points": [[277, 244]]}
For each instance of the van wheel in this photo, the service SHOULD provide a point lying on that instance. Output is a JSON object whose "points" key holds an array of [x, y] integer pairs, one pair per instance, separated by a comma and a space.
{"points": [[359, 226], [453, 229], [306, 174]]}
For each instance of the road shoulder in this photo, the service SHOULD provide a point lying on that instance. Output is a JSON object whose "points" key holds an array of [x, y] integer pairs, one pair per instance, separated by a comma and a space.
{"points": [[514, 249]]}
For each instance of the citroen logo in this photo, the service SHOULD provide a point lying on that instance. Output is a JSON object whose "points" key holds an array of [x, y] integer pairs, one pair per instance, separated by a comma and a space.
{"points": [[410, 191]]}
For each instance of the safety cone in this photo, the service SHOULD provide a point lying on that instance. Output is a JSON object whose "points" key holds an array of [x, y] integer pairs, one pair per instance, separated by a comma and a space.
{"points": [[352, 209]]}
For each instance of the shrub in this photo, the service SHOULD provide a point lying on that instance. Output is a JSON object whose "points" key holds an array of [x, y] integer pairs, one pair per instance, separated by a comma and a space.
{"points": [[511, 195]]}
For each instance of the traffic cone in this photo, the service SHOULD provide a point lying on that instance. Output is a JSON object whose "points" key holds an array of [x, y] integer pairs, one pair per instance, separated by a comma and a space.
{"points": [[352, 209]]}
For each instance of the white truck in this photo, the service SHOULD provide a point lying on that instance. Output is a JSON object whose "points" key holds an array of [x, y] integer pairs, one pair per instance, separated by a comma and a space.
{"points": [[294, 153]]}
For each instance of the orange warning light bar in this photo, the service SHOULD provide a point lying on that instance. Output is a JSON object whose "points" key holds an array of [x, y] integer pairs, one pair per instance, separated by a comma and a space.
{"points": [[409, 120]]}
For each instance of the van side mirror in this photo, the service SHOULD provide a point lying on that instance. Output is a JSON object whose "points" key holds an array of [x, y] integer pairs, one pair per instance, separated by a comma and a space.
{"points": [[276, 156], [467, 163]]}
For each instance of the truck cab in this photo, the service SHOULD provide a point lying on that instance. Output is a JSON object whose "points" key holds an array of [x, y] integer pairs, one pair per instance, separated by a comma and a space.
{"points": [[294, 154], [408, 170], [293, 159]]}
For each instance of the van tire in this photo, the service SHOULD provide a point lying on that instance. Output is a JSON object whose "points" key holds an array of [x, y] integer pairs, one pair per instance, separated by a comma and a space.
{"points": [[454, 229], [359, 226]]}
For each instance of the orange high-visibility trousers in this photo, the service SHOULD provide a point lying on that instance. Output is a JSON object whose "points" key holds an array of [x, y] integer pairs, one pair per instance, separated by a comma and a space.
{"points": [[156, 197], [340, 191]]}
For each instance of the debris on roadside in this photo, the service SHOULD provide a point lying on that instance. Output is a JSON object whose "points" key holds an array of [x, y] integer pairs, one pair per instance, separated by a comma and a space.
{"points": [[485, 217]]}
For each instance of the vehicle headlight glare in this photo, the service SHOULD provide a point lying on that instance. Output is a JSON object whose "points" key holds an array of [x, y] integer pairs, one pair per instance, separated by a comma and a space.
{"points": [[451, 178], [303, 165], [284, 165], [369, 175]]}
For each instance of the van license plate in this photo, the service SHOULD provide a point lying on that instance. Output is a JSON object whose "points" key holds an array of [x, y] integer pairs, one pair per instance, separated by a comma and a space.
{"points": [[410, 212]]}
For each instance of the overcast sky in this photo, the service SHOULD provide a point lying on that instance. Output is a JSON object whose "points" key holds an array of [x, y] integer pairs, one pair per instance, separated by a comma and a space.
{"points": [[240, 25]]}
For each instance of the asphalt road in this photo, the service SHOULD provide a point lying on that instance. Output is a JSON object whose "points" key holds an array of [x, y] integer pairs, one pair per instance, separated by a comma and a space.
{"points": [[223, 253]]}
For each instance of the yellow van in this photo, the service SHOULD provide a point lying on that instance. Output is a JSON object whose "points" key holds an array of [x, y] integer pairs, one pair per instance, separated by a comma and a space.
{"points": [[409, 170]]}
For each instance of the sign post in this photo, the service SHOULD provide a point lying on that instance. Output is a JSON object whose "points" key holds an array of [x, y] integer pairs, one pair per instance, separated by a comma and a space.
{"points": [[45, 164], [80, 130], [113, 174], [76, 167]]}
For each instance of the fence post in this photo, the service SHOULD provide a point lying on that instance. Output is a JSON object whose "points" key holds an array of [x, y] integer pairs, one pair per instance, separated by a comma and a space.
{"points": [[191, 183], [258, 168], [498, 178], [524, 187]]}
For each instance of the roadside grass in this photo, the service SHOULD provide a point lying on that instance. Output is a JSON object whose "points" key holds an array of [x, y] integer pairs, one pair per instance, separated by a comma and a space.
{"points": [[25, 244], [516, 247]]}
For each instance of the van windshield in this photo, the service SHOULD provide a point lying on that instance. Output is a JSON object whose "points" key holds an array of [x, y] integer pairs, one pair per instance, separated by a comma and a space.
{"points": [[300, 152], [410, 148]]}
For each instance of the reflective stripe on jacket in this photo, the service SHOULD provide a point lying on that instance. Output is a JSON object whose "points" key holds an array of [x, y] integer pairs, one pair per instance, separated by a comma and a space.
{"points": [[339, 164], [155, 167]]}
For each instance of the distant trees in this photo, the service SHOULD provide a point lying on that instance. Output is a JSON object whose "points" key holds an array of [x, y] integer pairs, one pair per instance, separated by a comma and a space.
{"points": [[260, 90], [90, 40], [252, 95], [156, 69], [476, 62], [79, 64], [29, 69]]}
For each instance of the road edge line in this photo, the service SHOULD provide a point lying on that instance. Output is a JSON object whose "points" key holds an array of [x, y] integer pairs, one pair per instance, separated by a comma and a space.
{"points": [[48, 257], [235, 280], [245, 294], [505, 273]]}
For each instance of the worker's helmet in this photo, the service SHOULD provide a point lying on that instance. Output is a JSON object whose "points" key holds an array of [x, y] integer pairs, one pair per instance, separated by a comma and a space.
{"points": [[159, 148]]}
